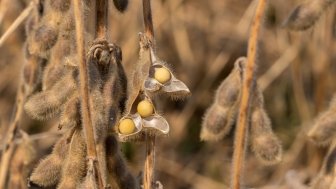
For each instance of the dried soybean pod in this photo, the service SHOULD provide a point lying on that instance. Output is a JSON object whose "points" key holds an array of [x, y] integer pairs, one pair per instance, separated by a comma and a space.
{"points": [[44, 37], [114, 89], [73, 170], [265, 145], [90, 180], [46, 104], [119, 176], [60, 5], [306, 14], [140, 73], [106, 94], [217, 122], [326, 175], [21, 163], [48, 172], [229, 90], [32, 73], [57, 66], [120, 5], [220, 116], [324, 129], [70, 115]]}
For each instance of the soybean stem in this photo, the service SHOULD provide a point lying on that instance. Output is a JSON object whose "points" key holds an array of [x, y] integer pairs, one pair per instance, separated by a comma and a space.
{"points": [[247, 88], [86, 116]]}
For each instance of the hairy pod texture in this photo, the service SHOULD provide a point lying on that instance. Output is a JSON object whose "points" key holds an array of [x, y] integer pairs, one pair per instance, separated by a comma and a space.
{"points": [[48, 171], [324, 129], [325, 178], [75, 165], [60, 5], [306, 14], [217, 123], [265, 145], [220, 116], [56, 67], [44, 105], [32, 73], [22, 161], [108, 92], [120, 5], [140, 73], [44, 37], [70, 115], [119, 176]]}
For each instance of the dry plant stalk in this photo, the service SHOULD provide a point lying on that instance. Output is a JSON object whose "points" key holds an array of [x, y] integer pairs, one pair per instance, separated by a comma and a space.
{"points": [[247, 88], [84, 93], [22, 17], [26, 85], [219, 118], [9, 145], [148, 181]]}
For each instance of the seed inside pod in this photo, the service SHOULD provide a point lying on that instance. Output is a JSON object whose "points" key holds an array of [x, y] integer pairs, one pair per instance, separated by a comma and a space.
{"points": [[145, 108], [126, 126], [162, 75]]}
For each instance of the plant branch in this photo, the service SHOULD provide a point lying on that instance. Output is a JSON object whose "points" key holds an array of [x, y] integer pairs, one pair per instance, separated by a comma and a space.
{"points": [[101, 23], [247, 88], [147, 15], [25, 13], [9, 137], [149, 163], [148, 179], [84, 92]]}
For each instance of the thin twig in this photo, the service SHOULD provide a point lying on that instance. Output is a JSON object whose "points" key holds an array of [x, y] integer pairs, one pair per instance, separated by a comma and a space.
{"points": [[101, 27], [86, 116], [38, 136], [17, 22], [9, 145], [149, 163], [248, 83], [150, 140], [3, 10], [147, 15]]}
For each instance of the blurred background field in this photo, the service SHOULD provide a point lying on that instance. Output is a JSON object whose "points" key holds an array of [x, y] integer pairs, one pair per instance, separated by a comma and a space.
{"points": [[201, 40]]}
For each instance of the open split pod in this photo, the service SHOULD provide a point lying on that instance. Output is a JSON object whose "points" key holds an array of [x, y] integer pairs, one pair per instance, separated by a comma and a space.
{"points": [[162, 80], [142, 120]]}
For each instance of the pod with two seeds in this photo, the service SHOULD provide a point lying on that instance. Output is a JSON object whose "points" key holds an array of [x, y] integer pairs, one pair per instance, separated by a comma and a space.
{"points": [[220, 117]]}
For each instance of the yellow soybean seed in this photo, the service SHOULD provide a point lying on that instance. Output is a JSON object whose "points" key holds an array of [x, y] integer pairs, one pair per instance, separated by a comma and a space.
{"points": [[162, 75], [126, 126], [145, 108]]}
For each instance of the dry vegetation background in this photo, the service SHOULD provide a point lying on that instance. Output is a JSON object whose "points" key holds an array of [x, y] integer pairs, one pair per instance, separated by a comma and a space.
{"points": [[201, 41]]}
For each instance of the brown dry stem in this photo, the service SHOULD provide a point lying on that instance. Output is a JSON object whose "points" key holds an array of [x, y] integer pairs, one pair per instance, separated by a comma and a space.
{"points": [[149, 163], [9, 145], [25, 13], [101, 27], [247, 87], [86, 116], [147, 15], [150, 141]]}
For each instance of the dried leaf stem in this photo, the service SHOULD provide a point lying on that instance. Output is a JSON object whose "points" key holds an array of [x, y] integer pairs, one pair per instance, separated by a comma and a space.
{"points": [[86, 116], [101, 27], [147, 15], [17, 22], [9, 137], [149, 162], [150, 140], [248, 84]]}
